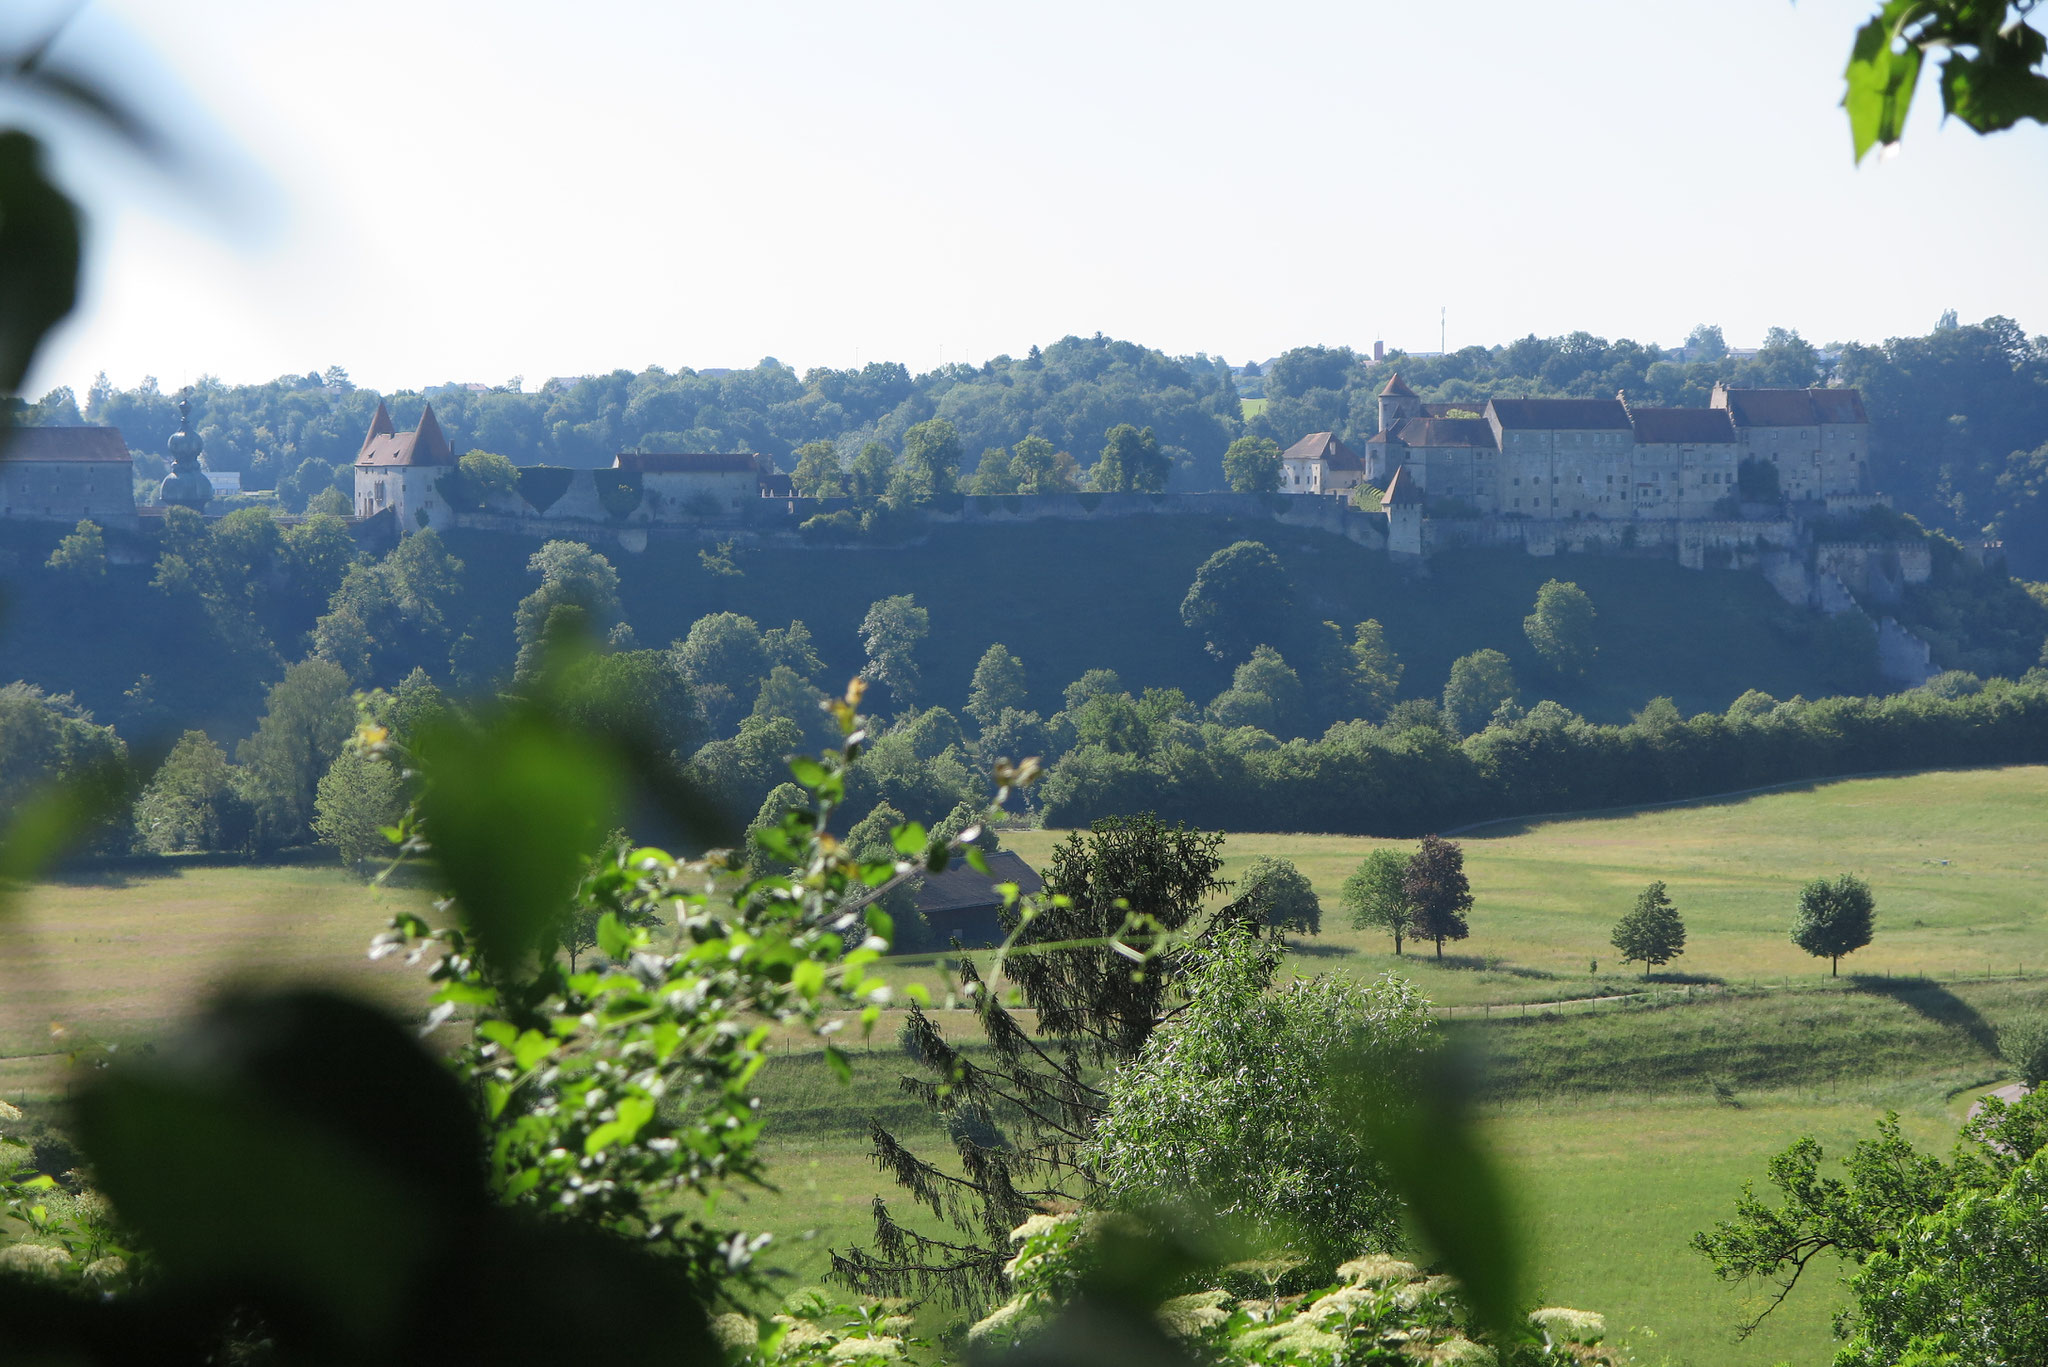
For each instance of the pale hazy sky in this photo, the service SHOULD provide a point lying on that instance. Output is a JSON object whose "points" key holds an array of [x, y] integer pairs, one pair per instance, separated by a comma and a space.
{"points": [[475, 191]]}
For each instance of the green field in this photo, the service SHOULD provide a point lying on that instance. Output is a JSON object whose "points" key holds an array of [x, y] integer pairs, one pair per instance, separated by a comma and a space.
{"points": [[1627, 1123], [1956, 858]]}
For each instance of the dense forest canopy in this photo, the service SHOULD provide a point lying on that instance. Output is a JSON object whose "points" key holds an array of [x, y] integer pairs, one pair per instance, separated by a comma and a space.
{"points": [[1960, 415]]}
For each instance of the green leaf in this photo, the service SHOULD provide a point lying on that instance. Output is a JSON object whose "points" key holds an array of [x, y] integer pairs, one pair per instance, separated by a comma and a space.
{"points": [[909, 840], [836, 1060], [511, 811], [978, 861], [613, 938], [880, 923], [808, 978], [1882, 74], [300, 1144], [531, 1049], [39, 255], [633, 1114], [50, 824], [808, 772], [1999, 87], [1436, 1161]]}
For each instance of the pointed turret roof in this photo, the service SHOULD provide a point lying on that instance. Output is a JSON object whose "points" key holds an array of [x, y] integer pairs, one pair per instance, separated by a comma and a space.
{"points": [[429, 445], [1401, 490], [426, 444], [1397, 388]]}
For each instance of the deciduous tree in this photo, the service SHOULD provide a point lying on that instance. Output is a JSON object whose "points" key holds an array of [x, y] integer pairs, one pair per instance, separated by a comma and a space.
{"points": [[1835, 918], [1242, 1109], [1376, 895], [82, 554], [1435, 885], [306, 718], [1651, 934], [1479, 684], [1272, 892], [572, 574], [1131, 462], [1561, 627], [1252, 465], [998, 686], [890, 634], [1241, 597]]}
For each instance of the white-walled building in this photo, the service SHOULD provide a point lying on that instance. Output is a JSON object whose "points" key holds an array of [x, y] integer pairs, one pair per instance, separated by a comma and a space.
{"points": [[1320, 464], [1608, 458], [399, 471]]}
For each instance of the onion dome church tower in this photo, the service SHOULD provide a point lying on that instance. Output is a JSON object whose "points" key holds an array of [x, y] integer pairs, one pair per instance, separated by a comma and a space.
{"points": [[186, 486]]}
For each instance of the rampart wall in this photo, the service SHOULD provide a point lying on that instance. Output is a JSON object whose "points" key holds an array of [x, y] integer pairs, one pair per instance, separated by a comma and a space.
{"points": [[580, 512]]}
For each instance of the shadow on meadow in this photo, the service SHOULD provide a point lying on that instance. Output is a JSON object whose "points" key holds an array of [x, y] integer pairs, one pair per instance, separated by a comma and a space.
{"points": [[1934, 1002]]}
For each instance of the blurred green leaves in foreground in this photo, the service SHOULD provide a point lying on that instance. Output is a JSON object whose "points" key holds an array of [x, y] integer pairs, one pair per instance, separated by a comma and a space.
{"points": [[1992, 66]]}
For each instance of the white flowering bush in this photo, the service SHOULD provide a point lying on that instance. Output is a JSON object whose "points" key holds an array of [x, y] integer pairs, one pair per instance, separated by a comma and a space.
{"points": [[1380, 1309]]}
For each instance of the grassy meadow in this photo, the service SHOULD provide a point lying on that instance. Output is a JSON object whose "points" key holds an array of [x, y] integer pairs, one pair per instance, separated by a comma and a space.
{"points": [[1956, 859], [1628, 1118]]}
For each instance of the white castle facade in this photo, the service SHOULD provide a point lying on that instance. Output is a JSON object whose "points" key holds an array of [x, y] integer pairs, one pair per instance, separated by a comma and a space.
{"points": [[1574, 459]]}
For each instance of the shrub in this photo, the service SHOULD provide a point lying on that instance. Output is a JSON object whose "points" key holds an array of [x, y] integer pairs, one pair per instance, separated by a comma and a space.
{"points": [[2024, 1047], [542, 486], [618, 492]]}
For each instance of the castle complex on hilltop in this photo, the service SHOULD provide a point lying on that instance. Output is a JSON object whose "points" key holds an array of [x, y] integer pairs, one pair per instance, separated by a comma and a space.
{"points": [[405, 474], [1594, 458]]}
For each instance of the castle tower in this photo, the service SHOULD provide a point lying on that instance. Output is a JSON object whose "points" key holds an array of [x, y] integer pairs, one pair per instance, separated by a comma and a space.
{"points": [[1397, 402]]}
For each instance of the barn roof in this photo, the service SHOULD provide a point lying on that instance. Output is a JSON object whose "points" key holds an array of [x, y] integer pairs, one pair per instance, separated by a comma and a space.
{"points": [[961, 888]]}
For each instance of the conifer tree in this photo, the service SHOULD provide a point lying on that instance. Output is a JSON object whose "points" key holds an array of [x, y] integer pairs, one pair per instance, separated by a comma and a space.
{"points": [[1019, 1116]]}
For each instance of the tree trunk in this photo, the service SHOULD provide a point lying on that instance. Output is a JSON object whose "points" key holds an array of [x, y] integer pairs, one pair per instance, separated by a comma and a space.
{"points": [[1835, 966], [1439, 947], [1397, 944]]}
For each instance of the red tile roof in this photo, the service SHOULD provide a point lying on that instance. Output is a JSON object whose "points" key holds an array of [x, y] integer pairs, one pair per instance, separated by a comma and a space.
{"points": [[91, 444], [1839, 405], [1670, 425], [1772, 408], [686, 463], [1396, 386], [1572, 415], [424, 445], [1793, 407]]}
